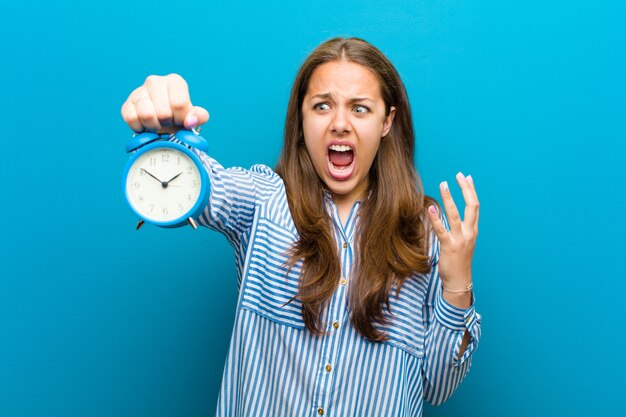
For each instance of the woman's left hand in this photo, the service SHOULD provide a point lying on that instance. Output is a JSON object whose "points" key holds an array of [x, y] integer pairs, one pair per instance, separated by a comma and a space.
{"points": [[457, 245]]}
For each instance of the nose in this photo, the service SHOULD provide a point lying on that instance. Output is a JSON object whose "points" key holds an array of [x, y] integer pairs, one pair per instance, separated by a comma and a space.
{"points": [[340, 124]]}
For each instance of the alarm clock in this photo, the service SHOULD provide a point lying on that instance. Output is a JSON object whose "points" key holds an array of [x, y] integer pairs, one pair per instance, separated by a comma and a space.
{"points": [[164, 181]]}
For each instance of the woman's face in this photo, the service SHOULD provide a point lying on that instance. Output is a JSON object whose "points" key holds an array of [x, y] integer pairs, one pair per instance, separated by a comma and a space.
{"points": [[343, 118]]}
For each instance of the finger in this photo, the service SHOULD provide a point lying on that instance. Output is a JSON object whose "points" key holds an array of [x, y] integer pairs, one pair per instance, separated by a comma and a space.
{"points": [[454, 219], [129, 114], [142, 107], [472, 187], [147, 114], [437, 224], [157, 88], [179, 100], [471, 203], [196, 117], [138, 93]]}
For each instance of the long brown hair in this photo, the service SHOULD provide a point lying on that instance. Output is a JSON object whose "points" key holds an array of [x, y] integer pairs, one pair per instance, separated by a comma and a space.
{"points": [[388, 250]]}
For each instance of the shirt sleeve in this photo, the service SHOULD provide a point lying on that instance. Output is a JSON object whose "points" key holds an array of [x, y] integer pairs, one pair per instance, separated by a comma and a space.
{"points": [[235, 194], [446, 325]]}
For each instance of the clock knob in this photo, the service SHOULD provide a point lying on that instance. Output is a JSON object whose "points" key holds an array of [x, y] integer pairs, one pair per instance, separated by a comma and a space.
{"points": [[192, 139], [140, 140]]}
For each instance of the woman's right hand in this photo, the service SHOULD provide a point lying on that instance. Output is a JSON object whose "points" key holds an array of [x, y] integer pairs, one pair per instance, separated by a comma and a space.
{"points": [[162, 104]]}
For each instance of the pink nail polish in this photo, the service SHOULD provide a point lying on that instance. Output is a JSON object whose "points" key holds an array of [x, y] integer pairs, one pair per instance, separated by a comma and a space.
{"points": [[192, 121], [470, 179], [444, 186], [460, 176], [432, 210]]}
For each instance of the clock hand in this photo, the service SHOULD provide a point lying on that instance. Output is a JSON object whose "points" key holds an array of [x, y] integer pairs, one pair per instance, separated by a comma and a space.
{"points": [[163, 183], [144, 170], [174, 177]]}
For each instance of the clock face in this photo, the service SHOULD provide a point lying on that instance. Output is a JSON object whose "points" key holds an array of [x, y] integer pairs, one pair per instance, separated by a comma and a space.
{"points": [[163, 184]]}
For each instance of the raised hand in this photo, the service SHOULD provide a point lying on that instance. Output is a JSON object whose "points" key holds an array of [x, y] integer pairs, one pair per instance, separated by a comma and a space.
{"points": [[162, 104], [457, 245]]}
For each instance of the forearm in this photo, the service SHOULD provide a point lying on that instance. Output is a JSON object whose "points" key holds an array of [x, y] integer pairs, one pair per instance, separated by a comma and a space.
{"points": [[443, 370], [461, 300], [451, 339]]}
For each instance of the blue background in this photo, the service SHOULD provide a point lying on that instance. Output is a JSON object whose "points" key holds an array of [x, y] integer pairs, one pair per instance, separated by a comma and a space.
{"points": [[97, 319]]}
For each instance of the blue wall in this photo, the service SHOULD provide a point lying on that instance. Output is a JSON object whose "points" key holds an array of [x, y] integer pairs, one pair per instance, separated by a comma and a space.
{"points": [[97, 319]]}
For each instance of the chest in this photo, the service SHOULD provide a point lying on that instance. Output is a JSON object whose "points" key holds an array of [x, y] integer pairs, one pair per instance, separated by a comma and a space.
{"points": [[270, 285]]}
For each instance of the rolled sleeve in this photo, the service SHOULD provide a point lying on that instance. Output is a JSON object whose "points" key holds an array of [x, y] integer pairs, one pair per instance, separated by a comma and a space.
{"points": [[459, 320]]}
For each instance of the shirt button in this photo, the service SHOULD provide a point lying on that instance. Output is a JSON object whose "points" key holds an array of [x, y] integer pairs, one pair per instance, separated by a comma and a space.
{"points": [[343, 281], [336, 324], [345, 245], [329, 368], [320, 411]]}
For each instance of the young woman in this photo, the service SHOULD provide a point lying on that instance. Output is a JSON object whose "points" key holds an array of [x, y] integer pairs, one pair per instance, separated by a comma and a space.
{"points": [[355, 296]]}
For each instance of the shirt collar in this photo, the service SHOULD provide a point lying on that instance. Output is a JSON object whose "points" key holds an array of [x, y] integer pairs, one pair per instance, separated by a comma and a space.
{"points": [[328, 197]]}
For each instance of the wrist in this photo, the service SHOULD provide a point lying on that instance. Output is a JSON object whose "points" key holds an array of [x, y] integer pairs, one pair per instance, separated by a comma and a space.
{"points": [[457, 289]]}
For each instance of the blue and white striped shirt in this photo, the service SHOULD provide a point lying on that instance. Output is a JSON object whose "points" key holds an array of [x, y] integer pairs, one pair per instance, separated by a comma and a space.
{"points": [[275, 367]]}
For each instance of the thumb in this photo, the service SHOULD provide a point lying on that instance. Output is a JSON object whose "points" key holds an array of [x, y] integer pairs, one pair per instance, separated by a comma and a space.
{"points": [[197, 116]]}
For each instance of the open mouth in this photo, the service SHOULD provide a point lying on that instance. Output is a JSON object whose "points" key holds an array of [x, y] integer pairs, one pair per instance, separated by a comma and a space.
{"points": [[340, 161]]}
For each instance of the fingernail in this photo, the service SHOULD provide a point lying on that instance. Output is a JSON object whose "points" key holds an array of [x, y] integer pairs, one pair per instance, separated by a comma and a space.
{"points": [[432, 210], [469, 179], [191, 121], [444, 186], [460, 176]]}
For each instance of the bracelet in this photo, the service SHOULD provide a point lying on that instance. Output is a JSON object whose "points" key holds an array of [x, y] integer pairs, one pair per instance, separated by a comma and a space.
{"points": [[468, 289]]}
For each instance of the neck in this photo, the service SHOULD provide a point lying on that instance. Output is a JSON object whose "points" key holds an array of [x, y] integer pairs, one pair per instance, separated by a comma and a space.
{"points": [[344, 204]]}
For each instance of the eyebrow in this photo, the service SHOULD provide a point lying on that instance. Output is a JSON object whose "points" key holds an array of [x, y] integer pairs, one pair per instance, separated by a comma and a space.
{"points": [[326, 96]]}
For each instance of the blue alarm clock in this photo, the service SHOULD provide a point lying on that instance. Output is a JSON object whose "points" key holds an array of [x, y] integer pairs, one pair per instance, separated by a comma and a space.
{"points": [[164, 181]]}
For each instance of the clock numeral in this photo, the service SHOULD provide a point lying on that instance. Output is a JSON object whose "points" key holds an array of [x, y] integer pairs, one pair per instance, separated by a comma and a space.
{"points": [[153, 161], [137, 184], [189, 170], [189, 197], [165, 211], [151, 208], [181, 208], [194, 184], [179, 160], [140, 199], [165, 157]]}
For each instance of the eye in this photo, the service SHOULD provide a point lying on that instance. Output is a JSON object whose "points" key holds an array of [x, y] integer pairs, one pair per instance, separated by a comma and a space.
{"points": [[360, 109], [321, 106]]}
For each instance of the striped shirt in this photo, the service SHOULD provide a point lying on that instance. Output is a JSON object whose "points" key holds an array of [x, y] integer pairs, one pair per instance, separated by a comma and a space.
{"points": [[275, 367]]}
